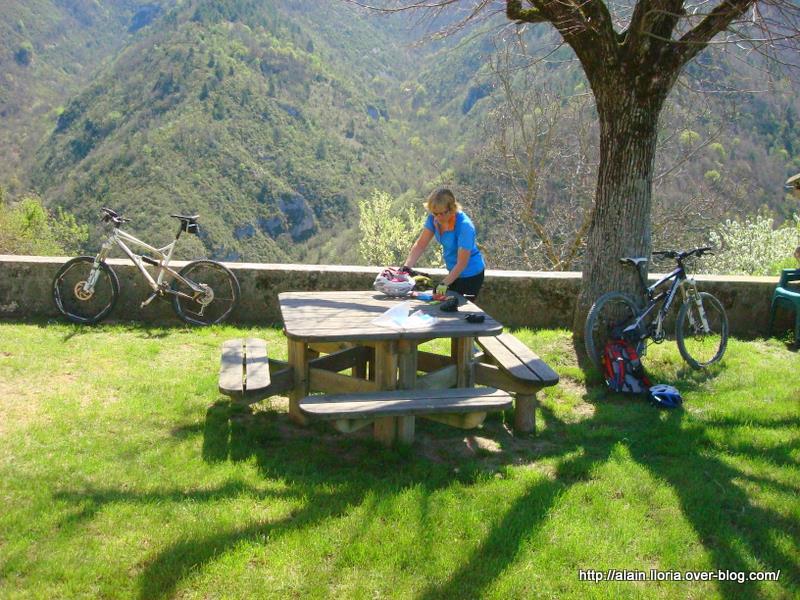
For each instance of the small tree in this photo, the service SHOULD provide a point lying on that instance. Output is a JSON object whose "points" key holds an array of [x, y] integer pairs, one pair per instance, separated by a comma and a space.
{"points": [[386, 234]]}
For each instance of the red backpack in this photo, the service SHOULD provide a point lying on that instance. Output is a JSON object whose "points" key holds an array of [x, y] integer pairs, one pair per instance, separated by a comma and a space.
{"points": [[623, 369]]}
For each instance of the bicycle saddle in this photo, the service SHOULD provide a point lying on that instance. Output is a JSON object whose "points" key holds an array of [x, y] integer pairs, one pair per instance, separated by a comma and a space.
{"points": [[633, 261]]}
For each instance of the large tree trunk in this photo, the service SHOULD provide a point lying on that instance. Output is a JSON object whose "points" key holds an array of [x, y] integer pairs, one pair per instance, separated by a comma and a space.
{"points": [[620, 225]]}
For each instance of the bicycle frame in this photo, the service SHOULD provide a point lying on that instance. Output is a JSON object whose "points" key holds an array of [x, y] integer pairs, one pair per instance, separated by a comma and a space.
{"points": [[665, 299], [164, 256]]}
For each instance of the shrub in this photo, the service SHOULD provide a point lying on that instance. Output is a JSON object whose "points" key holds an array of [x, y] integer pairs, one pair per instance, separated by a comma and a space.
{"points": [[752, 247], [689, 138], [719, 150], [24, 54]]}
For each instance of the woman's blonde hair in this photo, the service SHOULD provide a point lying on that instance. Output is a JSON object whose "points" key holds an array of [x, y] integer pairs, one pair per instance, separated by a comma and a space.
{"points": [[442, 199]]}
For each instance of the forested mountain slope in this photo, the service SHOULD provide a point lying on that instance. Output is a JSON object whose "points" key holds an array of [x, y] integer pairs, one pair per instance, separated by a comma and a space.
{"points": [[271, 119], [49, 49], [237, 111]]}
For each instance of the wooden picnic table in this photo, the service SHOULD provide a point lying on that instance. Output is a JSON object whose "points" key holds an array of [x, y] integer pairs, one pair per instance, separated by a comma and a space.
{"points": [[380, 357]]}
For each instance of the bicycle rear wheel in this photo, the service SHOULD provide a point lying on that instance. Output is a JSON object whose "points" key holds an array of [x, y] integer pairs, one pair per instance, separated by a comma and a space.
{"points": [[74, 301], [611, 313], [219, 296], [698, 347]]}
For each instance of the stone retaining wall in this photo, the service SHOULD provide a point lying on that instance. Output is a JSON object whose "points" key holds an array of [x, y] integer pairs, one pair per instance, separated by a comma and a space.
{"points": [[515, 298]]}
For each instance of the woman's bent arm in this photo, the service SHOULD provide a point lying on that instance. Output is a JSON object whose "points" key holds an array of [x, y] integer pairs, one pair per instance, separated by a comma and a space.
{"points": [[461, 263], [419, 247]]}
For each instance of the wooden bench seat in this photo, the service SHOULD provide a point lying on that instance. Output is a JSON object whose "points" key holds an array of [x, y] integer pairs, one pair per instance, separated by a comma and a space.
{"points": [[461, 407], [508, 364], [246, 373]]}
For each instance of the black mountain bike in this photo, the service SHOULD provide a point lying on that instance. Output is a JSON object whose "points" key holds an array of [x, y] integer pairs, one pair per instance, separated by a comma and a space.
{"points": [[203, 292], [701, 329]]}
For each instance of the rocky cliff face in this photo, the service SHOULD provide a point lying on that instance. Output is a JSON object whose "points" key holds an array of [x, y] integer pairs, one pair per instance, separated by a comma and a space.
{"points": [[299, 216]]}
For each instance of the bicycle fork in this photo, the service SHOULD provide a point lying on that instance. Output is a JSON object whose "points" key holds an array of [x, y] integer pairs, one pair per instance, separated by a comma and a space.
{"points": [[690, 294], [94, 272]]}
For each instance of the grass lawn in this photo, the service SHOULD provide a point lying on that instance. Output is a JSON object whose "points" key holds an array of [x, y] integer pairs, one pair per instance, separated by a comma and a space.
{"points": [[124, 473]]}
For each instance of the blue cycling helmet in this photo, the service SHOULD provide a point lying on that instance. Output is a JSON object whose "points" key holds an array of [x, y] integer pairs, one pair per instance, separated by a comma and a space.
{"points": [[665, 396]]}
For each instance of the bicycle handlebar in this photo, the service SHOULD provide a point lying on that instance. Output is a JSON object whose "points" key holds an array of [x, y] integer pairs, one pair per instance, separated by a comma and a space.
{"points": [[680, 255], [114, 217]]}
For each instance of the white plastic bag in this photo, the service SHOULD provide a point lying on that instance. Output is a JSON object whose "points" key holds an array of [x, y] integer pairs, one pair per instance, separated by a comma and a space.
{"points": [[398, 317], [419, 320]]}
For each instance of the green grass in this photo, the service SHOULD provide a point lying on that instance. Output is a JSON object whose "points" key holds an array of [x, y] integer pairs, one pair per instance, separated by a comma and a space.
{"points": [[124, 473]]}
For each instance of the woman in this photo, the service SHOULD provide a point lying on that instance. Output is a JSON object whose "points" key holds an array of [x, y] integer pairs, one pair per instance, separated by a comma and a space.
{"points": [[456, 233]]}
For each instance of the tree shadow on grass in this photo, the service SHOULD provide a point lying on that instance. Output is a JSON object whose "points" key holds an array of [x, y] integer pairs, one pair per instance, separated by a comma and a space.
{"points": [[330, 474], [729, 525], [325, 474], [674, 448]]}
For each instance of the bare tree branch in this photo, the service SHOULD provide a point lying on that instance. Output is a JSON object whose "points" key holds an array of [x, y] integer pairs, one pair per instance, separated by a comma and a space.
{"points": [[714, 23]]}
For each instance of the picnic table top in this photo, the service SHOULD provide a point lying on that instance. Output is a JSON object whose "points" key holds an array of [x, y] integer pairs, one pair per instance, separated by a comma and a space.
{"points": [[349, 316]]}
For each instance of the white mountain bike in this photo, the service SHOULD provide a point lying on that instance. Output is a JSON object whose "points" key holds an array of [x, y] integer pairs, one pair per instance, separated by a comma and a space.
{"points": [[203, 292]]}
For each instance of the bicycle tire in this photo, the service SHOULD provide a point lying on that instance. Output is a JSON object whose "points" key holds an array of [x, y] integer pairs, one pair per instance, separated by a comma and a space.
{"points": [[213, 307], [691, 341], [76, 305], [610, 311]]}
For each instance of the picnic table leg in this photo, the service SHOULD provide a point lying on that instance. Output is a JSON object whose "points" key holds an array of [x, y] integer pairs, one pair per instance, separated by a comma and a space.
{"points": [[525, 413], [298, 360], [385, 428], [407, 380], [461, 351]]}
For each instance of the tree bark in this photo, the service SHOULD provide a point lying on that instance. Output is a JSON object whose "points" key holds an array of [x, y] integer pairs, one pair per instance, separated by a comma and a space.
{"points": [[620, 225]]}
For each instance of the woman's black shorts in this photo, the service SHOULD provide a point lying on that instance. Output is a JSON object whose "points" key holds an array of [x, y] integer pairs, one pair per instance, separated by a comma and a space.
{"points": [[468, 286]]}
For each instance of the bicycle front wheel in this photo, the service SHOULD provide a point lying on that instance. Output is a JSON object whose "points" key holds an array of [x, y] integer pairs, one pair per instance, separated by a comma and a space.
{"points": [[700, 346], [609, 315], [218, 295], [82, 303]]}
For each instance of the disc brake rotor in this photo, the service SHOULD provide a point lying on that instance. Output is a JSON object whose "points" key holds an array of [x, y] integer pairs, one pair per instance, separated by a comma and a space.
{"points": [[81, 293]]}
